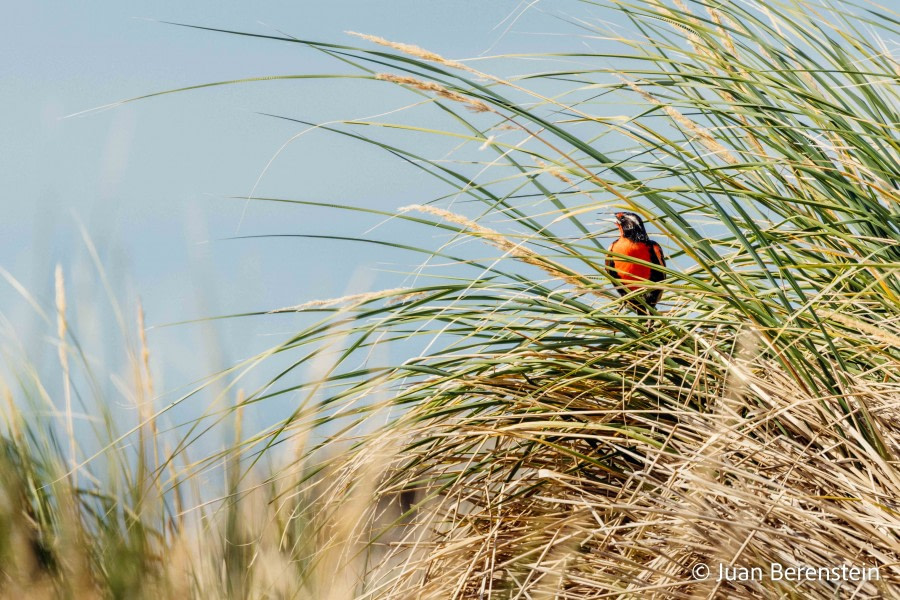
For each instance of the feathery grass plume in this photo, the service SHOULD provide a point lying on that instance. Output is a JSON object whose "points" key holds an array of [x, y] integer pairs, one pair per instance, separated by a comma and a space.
{"points": [[882, 334], [62, 352], [409, 297], [145, 398], [555, 171], [518, 251], [431, 86], [716, 16], [352, 299], [145, 350], [412, 51]]}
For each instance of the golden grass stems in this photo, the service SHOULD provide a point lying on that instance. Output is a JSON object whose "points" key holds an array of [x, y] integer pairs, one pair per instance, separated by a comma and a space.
{"points": [[720, 479], [436, 88], [145, 394], [61, 329]]}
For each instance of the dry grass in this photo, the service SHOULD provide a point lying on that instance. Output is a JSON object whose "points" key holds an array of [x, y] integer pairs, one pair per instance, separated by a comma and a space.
{"points": [[760, 475]]}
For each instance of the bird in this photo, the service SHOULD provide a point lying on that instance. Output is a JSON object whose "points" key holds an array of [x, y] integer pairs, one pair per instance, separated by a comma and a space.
{"points": [[634, 242]]}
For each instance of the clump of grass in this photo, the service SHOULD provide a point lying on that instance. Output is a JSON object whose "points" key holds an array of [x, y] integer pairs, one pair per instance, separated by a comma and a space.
{"points": [[557, 445], [139, 518]]}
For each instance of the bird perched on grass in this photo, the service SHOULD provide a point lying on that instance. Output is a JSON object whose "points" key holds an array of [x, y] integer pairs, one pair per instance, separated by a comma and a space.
{"points": [[634, 242]]}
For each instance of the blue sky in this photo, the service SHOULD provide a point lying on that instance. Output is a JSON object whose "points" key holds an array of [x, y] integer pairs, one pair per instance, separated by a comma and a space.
{"points": [[149, 182]]}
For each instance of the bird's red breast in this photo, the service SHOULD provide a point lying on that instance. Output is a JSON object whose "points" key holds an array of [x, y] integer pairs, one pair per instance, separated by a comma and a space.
{"points": [[627, 269]]}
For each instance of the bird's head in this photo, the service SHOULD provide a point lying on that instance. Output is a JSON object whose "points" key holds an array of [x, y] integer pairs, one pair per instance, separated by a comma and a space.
{"points": [[631, 226]]}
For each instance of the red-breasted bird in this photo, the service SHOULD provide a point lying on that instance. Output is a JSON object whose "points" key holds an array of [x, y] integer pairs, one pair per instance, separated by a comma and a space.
{"points": [[634, 242]]}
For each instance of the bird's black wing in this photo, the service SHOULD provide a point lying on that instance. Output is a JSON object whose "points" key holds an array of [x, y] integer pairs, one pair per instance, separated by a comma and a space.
{"points": [[657, 258]]}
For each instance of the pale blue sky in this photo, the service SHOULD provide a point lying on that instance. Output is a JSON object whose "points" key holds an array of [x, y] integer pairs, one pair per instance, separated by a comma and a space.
{"points": [[149, 181]]}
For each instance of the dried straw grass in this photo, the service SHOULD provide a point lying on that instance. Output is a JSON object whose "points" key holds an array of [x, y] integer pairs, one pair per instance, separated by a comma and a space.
{"points": [[761, 475]]}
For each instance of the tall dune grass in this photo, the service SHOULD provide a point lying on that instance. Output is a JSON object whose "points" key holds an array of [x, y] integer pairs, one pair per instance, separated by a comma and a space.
{"points": [[543, 441]]}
